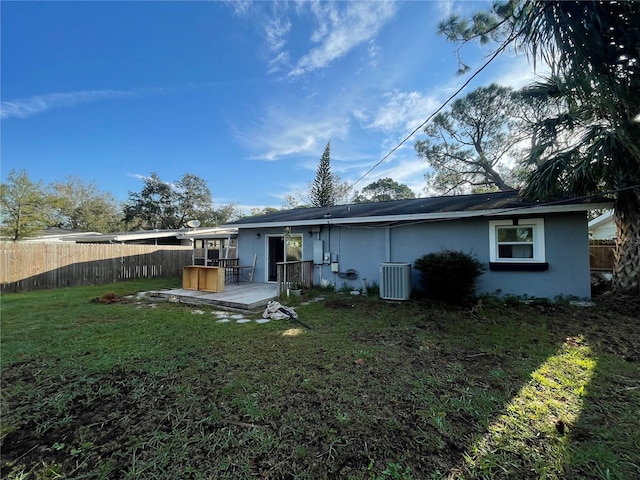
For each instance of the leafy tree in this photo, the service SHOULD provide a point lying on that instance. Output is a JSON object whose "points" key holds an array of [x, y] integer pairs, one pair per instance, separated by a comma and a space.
{"points": [[383, 190], [154, 207], [341, 190], [26, 207], [471, 145], [81, 206], [254, 212], [296, 200], [593, 50], [193, 199], [322, 188], [165, 205], [224, 214]]}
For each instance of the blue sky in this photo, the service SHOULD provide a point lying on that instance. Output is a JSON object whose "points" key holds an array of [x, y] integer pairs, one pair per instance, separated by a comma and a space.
{"points": [[243, 94]]}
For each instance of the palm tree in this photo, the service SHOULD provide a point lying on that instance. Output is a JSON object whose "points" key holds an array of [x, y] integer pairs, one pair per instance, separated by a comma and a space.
{"points": [[592, 146]]}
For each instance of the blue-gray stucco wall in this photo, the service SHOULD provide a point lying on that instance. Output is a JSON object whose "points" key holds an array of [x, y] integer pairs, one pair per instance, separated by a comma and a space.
{"points": [[363, 248]]}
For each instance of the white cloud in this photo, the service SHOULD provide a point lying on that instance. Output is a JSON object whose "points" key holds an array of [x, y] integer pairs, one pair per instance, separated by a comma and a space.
{"points": [[240, 7], [406, 171], [338, 28], [298, 142], [403, 112], [325, 14], [517, 71], [277, 63], [280, 134], [374, 51], [445, 8], [27, 107], [338, 32], [276, 31]]}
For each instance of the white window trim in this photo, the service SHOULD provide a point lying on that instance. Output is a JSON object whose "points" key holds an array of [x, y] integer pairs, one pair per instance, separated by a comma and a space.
{"points": [[538, 240]]}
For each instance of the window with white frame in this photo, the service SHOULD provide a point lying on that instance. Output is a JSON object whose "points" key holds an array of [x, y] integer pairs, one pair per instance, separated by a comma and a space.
{"points": [[517, 241]]}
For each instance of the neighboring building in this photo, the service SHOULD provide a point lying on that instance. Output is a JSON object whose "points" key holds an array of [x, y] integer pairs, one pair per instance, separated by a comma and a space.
{"points": [[602, 240], [56, 235], [208, 243], [603, 227], [211, 244], [529, 248], [182, 236], [142, 237]]}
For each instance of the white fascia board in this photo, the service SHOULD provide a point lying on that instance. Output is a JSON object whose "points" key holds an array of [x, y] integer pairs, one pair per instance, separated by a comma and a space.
{"points": [[209, 233], [92, 239], [432, 216], [141, 236], [605, 217]]}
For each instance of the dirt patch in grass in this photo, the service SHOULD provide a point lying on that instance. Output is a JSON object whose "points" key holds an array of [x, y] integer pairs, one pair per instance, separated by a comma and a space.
{"points": [[377, 390], [109, 298]]}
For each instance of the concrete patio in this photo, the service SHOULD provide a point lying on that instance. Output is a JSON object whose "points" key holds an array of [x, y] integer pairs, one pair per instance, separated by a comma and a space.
{"points": [[244, 297]]}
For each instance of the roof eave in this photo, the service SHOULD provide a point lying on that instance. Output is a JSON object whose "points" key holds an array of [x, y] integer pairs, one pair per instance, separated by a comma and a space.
{"points": [[602, 219], [524, 210]]}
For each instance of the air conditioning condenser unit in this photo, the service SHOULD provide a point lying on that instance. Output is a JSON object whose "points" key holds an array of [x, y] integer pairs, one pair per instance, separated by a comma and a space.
{"points": [[395, 281]]}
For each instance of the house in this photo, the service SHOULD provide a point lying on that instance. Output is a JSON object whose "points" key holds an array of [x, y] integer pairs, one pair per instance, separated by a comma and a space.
{"points": [[603, 227], [602, 241], [530, 248]]}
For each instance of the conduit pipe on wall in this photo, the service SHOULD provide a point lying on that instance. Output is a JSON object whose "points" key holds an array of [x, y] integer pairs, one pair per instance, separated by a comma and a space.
{"points": [[387, 244]]}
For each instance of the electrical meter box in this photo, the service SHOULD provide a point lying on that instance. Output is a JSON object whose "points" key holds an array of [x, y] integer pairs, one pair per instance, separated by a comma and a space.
{"points": [[318, 252]]}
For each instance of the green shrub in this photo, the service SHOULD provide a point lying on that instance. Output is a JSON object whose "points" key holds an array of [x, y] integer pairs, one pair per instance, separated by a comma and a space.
{"points": [[449, 276]]}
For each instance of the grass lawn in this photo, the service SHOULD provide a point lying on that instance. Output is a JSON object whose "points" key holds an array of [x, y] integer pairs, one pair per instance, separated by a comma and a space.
{"points": [[375, 391]]}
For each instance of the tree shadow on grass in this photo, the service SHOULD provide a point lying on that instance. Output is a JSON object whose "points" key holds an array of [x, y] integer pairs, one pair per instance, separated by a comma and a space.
{"points": [[575, 416], [605, 438], [419, 393]]}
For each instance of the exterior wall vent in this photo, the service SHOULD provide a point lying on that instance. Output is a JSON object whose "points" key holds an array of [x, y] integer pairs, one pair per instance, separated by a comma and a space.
{"points": [[395, 281]]}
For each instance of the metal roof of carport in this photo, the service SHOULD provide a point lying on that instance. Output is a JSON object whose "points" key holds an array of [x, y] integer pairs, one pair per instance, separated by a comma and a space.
{"points": [[201, 234], [180, 234], [446, 207]]}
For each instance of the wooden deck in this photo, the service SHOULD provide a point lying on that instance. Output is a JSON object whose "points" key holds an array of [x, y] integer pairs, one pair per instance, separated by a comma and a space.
{"points": [[245, 296]]}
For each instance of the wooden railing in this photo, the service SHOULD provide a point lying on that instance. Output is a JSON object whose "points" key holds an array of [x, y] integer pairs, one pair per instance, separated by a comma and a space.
{"points": [[294, 275], [226, 262], [202, 255]]}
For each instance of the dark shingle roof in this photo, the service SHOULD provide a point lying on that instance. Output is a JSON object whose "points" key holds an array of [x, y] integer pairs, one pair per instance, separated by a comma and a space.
{"points": [[432, 207]]}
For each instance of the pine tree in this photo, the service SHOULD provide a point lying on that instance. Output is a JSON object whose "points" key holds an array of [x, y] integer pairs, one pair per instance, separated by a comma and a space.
{"points": [[322, 194]]}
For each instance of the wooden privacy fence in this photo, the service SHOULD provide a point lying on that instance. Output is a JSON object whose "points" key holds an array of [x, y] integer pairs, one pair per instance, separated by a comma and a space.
{"points": [[36, 266], [601, 255]]}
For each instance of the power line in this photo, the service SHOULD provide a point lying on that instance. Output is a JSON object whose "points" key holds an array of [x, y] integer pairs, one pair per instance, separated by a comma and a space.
{"points": [[502, 47]]}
